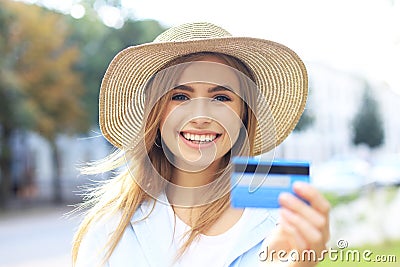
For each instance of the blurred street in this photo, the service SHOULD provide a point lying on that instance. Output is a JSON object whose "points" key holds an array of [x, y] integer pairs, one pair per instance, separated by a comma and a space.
{"points": [[42, 235], [36, 237]]}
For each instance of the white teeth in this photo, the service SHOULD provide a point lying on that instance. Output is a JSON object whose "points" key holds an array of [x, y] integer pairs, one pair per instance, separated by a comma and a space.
{"points": [[199, 137]]}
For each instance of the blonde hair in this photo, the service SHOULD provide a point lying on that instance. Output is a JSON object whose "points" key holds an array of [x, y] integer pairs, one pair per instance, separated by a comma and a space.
{"points": [[123, 194]]}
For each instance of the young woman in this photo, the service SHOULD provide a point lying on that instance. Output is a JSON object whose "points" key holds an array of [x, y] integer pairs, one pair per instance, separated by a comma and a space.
{"points": [[177, 110]]}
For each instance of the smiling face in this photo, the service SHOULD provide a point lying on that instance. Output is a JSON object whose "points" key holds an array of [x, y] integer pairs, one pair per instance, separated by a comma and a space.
{"points": [[202, 118]]}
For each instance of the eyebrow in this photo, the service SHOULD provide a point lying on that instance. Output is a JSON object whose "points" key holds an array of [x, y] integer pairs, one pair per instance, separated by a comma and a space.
{"points": [[214, 89]]}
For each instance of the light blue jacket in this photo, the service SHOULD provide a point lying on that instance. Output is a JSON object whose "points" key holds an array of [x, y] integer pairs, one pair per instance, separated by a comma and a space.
{"points": [[148, 243]]}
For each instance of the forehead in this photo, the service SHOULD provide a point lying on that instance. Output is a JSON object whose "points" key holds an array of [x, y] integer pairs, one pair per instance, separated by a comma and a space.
{"points": [[210, 72]]}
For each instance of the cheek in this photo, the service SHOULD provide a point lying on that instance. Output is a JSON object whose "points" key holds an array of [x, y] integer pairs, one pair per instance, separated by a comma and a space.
{"points": [[165, 117], [166, 128], [231, 122], [233, 129], [170, 124]]}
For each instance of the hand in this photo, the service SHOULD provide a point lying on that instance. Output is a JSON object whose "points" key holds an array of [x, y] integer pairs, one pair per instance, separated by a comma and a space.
{"points": [[302, 226]]}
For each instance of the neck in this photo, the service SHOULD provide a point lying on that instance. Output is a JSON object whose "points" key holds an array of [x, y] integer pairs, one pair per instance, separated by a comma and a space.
{"points": [[195, 178], [189, 188]]}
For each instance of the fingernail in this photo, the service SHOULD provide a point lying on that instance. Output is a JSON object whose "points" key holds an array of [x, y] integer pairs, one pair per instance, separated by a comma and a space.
{"points": [[284, 196], [299, 185]]}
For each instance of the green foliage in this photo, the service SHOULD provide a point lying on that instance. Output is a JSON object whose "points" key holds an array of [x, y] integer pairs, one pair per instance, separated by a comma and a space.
{"points": [[389, 250], [9, 96], [38, 73], [39, 88], [51, 67], [337, 199], [367, 122], [306, 120], [99, 44]]}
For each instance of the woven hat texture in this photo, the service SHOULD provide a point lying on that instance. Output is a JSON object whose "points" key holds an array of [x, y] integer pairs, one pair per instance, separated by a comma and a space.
{"points": [[279, 74]]}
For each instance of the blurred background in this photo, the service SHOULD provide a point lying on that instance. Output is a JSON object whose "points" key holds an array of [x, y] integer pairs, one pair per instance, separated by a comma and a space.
{"points": [[52, 58]]}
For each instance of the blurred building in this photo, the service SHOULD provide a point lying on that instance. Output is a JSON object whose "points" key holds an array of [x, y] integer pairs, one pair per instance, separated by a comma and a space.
{"points": [[335, 98], [74, 151]]}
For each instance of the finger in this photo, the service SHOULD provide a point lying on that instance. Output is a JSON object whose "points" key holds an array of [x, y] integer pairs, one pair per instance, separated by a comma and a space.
{"points": [[297, 206], [311, 237], [316, 200], [295, 240], [310, 194]]}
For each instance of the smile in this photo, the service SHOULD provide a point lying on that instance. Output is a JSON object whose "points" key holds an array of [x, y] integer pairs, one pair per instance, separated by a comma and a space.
{"points": [[200, 138]]}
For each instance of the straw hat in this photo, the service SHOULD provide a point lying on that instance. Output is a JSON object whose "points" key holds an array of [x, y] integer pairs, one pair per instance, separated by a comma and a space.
{"points": [[279, 73]]}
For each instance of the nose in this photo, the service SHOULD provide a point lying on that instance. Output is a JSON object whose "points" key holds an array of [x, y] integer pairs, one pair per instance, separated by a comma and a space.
{"points": [[200, 121], [200, 111]]}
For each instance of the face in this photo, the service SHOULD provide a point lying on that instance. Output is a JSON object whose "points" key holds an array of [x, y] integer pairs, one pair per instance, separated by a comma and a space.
{"points": [[201, 121]]}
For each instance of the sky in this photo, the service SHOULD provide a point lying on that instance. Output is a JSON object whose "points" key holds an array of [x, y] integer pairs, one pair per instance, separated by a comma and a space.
{"points": [[361, 36], [356, 35]]}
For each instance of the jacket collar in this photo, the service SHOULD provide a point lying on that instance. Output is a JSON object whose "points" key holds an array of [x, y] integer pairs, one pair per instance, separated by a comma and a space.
{"points": [[254, 232], [155, 233]]}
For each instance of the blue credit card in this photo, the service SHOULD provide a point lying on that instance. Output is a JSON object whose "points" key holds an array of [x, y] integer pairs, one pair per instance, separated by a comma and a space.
{"points": [[257, 183]]}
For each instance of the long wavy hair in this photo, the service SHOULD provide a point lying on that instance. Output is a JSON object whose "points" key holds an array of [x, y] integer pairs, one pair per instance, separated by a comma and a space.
{"points": [[123, 194]]}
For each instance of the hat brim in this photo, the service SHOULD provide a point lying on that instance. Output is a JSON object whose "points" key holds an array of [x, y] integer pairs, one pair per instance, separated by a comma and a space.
{"points": [[279, 74]]}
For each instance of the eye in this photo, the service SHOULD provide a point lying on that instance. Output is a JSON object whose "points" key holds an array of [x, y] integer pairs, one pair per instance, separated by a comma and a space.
{"points": [[222, 98], [179, 97]]}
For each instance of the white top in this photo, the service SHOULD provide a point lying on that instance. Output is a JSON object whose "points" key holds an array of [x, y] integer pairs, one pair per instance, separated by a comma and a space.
{"points": [[207, 250], [150, 241]]}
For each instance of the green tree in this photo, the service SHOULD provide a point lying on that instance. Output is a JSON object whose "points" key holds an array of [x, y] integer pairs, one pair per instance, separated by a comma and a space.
{"points": [[367, 123], [51, 70], [9, 100], [40, 76], [306, 120], [99, 44]]}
